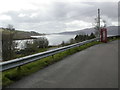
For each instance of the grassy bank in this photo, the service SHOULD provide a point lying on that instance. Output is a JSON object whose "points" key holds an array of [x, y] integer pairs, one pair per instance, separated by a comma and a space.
{"points": [[24, 53], [113, 38], [12, 75]]}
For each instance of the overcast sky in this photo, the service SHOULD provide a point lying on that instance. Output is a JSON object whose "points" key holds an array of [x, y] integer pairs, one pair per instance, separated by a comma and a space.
{"points": [[50, 16]]}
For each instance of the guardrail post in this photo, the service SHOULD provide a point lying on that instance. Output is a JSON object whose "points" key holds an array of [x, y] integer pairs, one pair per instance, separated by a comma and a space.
{"points": [[53, 56], [19, 68], [77, 48], [69, 50]]}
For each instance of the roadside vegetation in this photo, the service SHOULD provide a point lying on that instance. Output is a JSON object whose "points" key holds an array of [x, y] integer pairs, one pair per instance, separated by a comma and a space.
{"points": [[8, 45], [78, 38]]}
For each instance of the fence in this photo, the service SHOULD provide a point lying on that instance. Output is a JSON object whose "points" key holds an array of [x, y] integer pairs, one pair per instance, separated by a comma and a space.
{"points": [[31, 58]]}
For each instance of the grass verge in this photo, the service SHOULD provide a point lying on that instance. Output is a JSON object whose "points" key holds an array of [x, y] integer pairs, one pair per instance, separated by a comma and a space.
{"points": [[13, 75]]}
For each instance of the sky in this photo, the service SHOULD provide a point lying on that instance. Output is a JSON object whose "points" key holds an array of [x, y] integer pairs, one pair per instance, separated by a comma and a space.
{"points": [[53, 16]]}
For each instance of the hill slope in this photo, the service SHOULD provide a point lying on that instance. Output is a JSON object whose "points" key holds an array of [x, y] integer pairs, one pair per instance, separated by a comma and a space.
{"points": [[112, 30], [20, 34]]}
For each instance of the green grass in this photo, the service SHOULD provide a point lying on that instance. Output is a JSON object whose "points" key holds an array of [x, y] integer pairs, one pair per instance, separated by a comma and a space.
{"points": [[37, 51], [12, 75]]}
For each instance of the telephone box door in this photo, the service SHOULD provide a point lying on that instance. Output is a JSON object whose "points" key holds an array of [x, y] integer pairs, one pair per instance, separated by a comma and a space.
{"points": [[103, 35]]}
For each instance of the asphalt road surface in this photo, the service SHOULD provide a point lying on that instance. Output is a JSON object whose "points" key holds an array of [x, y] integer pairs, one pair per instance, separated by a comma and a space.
{"points": [[95, 67]]}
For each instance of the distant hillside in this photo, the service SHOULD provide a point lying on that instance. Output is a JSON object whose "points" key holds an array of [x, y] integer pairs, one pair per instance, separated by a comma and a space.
{"points": [[84, 31], [112, 30], [21, 34], [25, 35]]}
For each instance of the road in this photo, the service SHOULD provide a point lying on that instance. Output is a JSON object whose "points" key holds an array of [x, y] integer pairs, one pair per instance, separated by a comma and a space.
{"points": [[95, 67]]}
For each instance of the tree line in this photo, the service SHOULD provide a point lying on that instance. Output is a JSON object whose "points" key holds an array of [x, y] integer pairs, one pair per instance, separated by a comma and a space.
{"points": [[79, 38]]}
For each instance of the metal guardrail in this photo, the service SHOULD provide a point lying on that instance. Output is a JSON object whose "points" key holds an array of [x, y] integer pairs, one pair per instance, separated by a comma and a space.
{"points": [[31, 58]]}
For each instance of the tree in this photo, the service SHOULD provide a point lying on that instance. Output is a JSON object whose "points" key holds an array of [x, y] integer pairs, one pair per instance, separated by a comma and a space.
{"points": [[80, 38], [41, 42], [104, 23], [63, 43], [96, 26], [10, 27], [92, 35], [72, 41], [29, 48], [33, 47], [8, 44], [77, 38]]}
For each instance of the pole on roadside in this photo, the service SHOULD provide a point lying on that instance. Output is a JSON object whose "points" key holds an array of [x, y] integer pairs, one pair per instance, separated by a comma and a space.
{"points": [[98, 22]]}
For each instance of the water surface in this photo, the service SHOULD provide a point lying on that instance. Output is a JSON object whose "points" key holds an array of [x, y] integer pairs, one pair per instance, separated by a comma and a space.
{"points": [[56, 39]]}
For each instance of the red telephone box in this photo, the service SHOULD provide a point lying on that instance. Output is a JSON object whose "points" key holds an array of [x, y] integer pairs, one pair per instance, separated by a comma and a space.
{"points": [[103, 35]]}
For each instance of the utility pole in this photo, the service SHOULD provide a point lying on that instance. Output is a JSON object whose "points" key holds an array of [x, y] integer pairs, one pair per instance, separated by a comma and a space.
{"points": [[98, 22]]}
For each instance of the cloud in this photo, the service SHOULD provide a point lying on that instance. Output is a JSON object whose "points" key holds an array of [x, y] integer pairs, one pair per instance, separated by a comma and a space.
{"points": [[48, 17], [77, 24], [5, 17]]}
